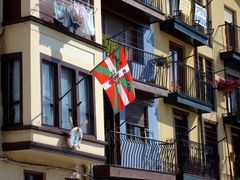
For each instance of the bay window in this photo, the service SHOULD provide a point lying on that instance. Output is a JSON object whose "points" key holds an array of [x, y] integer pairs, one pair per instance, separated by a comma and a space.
{"points": [[62, 99]]}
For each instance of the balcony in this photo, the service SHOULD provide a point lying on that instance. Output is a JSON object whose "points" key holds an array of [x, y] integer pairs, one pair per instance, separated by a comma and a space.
{"points": [[196, 159], [149, 71], [62, 17], [231, 44], [142, 11], [189, 88], [188, 28], [138, 158], [233, 108], [27, 142]]}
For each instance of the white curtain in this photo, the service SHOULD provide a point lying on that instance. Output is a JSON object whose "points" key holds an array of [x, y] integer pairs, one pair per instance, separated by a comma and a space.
{"points": [[16, 90], [47, 94], [66, 83], [84, 106]]}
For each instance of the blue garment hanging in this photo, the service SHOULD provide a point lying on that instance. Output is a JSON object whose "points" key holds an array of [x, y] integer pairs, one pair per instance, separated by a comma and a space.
{"points": [[59, 11]]}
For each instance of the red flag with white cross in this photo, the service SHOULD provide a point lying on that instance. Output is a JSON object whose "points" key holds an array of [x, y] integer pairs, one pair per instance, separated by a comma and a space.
{"points": [[114, 75]]}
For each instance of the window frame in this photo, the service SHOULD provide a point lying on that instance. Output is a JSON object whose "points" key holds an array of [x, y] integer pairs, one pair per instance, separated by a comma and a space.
{"points": [[34, 173], [75, 95], [56, 103], [6, 58], [130, 126]]}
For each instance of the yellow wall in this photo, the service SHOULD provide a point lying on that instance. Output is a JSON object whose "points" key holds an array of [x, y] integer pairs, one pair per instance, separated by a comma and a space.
{"points": [[31, 39], [166, 121], [17, 171]]}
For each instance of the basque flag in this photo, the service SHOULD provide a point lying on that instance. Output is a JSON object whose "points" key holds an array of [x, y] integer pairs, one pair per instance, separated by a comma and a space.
{"points": [[114, 75]]}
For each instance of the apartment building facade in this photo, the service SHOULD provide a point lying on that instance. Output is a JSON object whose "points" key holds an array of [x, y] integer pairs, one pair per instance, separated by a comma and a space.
{"points": [[182, 125]]}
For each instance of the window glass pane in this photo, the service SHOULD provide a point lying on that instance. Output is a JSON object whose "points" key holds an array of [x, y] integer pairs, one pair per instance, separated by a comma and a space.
{"points": [[84, 106], [16, 80], [15, 73], [66, 84], [228, 15], [137, 131], [48, 94]]}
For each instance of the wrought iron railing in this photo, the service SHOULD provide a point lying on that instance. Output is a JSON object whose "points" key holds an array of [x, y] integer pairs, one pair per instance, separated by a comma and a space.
{"points": [[196, 158], [141, 153], [190, 19], [191, 82], [231, 34], [145, 67], [46, 10], [154, 4]]}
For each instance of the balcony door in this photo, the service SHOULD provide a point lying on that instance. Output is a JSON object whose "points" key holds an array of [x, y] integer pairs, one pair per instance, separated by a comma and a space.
{"points": [[177, 70], [172, 7], [233, 99], [230, 29], [203, 75], [236, 150], [122, 32], [211, 151], [181, 133]]}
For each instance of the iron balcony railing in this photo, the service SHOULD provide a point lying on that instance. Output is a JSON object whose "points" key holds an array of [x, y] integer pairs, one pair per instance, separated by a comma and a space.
{"points": [[64, 19], [196, 158], [231, 41], [141, 153], [191, 82], [145, 67], [154, 4], [190, 19]]}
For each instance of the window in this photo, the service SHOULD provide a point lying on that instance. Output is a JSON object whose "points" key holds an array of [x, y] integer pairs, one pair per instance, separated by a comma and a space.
{"points": [[67, 103], [11, 10], [230, 29], [176, 68], [62, 99], [236, 150], [48, 93], [210, 132], [136, 117], [84, 103], [11, 88], [204, 76], [233, 99], [124, 32], [182, 137], [33, 175]]}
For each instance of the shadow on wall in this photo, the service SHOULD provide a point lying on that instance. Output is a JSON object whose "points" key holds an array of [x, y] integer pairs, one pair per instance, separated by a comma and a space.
{"points": [[238, 2], [51, 43]]}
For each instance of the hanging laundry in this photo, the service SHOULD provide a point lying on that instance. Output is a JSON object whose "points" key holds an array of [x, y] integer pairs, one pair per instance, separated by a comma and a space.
{"points": [[59, 11], [67, 17], [88, 26], [76, 15]]}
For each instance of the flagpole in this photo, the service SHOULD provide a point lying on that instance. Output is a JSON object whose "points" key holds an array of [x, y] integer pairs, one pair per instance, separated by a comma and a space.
{"points": [[84, 77]]}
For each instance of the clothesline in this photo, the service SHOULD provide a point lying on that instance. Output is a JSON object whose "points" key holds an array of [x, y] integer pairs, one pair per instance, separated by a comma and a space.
{"points": [[74, 16], [69, 2]]}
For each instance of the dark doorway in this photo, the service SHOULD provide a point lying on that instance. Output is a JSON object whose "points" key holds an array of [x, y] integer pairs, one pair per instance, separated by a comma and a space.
{"points": [[236, 150], [181, 132], [212, 165]]}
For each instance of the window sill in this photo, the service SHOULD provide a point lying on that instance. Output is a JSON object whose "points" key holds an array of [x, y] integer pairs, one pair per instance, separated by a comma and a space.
{"points": [[53, 130]]}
